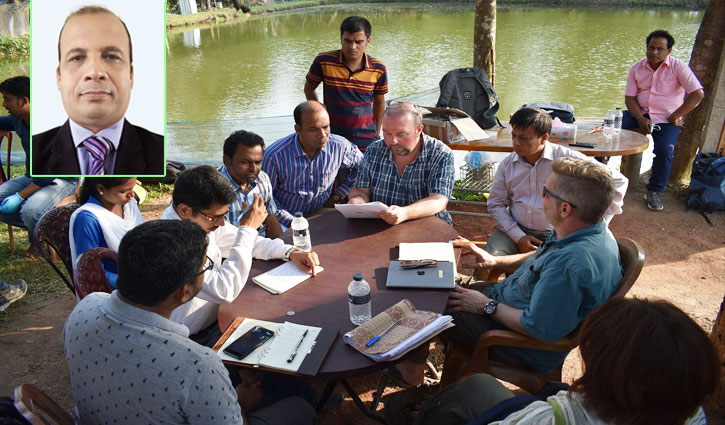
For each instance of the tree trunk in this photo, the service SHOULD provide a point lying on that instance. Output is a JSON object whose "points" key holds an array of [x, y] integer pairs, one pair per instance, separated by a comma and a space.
{"points": [[484, 37], [715, 405], [704, 62]]}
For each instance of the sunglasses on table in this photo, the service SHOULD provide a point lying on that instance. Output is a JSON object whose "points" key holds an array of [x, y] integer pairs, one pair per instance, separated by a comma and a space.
{"points": [[417, 264]]}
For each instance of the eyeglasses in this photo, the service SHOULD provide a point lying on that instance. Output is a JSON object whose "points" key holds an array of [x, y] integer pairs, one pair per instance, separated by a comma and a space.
{"points": [[209, 265], [214, 220], [547, 192], [399, 104], [417, 264]]}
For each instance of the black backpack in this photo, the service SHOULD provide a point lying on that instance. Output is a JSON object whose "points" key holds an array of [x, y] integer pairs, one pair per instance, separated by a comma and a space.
{"points": [[707, 184], [470, 90], [563, 111]]}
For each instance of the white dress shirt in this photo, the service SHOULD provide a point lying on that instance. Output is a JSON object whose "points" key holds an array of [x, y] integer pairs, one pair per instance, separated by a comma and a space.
{"points": [[515, 196], [223, 283]]}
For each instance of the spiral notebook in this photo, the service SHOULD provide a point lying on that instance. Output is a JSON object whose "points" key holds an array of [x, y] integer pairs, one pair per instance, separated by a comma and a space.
{"points": [[273, 354]]}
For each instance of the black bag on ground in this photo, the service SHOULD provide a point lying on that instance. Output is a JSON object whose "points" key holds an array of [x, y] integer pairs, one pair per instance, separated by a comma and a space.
{"points": [[470, 90], [563, 111], [707, 184], [173, 168]]}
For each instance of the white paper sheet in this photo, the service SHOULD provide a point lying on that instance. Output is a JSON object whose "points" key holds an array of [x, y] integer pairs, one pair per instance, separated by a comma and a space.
{"points": [[361, 210], [283, 278], [441, 251]]}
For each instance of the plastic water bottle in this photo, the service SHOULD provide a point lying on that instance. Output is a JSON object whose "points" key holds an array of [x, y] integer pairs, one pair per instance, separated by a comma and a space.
{"points": [[608, 128], [617, 122], [358, 295], [301, 233]]}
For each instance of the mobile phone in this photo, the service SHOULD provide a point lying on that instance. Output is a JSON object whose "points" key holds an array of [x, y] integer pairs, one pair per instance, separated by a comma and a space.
{"points": [[250, 341], [583, 145]]}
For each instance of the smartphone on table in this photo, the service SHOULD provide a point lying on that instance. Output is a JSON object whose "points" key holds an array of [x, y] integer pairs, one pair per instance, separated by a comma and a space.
{"points": [[250, 341]]}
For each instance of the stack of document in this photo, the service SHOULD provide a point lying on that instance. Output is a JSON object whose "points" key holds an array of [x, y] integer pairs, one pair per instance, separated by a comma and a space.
{"points": [[413, 328], [440, 251], [368, 210]]}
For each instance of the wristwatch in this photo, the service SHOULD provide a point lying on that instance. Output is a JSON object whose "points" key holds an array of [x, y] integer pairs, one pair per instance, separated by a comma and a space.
{"points": [[289, 252], [490, 308]]}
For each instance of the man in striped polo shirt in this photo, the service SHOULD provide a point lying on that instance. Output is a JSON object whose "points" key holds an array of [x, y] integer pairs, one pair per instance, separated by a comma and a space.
{"points": [[354, 85]]}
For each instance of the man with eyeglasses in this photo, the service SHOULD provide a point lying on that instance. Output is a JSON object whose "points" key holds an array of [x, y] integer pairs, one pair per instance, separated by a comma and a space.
{"points": [[515, 201], [202, 195], [408, 170], [660, 91], [554, 288], [130, 364]]}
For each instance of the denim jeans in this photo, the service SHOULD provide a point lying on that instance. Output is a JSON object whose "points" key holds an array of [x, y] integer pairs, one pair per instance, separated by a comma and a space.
{"points": [[664, 149], [37, 204]]}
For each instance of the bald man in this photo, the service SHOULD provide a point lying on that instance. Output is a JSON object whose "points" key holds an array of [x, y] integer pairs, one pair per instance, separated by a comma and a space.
{"points": [[95, 78], [303, 166]]}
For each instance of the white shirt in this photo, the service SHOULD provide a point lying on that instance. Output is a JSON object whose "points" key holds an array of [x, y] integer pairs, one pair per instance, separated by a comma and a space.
{"points": [[515, 196], [223, 283], [80, 133]]}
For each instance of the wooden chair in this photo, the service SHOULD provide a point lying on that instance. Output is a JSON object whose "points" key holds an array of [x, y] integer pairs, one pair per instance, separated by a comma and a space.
{"points": [[38, 408], [90, 276], [5, 176], [52, 229], [461, 361]]}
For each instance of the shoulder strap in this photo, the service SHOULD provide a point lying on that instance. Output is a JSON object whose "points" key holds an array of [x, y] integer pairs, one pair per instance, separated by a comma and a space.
{"points": [[559, 417]]}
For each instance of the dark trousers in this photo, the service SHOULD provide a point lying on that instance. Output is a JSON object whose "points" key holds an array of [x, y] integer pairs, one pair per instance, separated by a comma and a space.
{"points": [[664, 149]]}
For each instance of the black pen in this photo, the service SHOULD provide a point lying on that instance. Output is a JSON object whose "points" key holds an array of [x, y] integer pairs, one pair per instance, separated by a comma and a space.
{"points": [[294, 352]]}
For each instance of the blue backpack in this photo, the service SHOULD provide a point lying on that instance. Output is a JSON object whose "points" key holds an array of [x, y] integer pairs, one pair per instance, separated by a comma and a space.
{"points": [[707, 184]]}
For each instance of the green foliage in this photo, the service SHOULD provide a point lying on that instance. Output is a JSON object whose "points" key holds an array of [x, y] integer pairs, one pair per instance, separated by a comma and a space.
{"points": [[157, 190], [465, 195], [13, 48]]}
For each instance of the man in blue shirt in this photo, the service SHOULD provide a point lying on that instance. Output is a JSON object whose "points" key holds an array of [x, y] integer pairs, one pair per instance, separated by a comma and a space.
{"points": [[23, 200], [243, 152], [409, 171], [554, 288]]}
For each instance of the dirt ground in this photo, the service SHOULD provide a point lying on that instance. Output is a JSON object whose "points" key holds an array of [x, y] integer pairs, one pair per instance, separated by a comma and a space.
{"points": [[685, 263]]}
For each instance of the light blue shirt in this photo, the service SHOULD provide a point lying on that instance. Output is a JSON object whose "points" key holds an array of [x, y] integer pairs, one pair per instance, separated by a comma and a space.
{"points": [[80, 133], [560, 285]]}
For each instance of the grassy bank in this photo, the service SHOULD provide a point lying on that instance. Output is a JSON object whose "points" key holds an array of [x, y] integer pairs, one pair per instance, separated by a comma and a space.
{"points": [[14, 48], [221, 15]]}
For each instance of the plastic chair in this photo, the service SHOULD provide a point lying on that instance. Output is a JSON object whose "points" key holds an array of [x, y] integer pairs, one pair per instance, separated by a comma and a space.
{"points": [[5, 176], [90, 276], [461, 361], [52, 229], [38, 408]]}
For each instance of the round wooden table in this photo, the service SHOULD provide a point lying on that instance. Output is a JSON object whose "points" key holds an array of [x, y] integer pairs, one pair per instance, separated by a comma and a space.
{"points": [[345, 247]]}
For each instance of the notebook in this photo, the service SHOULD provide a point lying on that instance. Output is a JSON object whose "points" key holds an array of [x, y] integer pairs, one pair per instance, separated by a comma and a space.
{"points": [[283, 278], [439, 276], [273, 354]]}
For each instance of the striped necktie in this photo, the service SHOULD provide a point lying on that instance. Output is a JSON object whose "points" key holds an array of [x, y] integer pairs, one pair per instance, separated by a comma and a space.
{"points": [[98, 147]]}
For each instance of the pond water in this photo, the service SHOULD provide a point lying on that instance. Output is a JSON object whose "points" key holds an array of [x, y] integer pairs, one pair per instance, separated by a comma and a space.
{"points": [[226, 75]]}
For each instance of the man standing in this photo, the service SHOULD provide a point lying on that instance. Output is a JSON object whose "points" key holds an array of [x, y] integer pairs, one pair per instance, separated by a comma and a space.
{"points": [[129, 363], [304, 165], [354, 84], [202, 195], [409, 171], [515, 201], [23, 200], [660, 91], [95, 77], [243, 152]]}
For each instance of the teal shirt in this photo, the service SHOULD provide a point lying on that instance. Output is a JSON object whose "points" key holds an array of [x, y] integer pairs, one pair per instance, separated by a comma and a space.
{"points": [[560, 285]]}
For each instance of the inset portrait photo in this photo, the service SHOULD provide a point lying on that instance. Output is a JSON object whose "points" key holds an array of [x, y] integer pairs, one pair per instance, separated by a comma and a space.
{"points": [[97, 83]]}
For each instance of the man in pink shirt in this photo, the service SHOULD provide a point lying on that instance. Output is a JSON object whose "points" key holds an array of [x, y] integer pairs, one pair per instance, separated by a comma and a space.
{"points": [[660, 91]]}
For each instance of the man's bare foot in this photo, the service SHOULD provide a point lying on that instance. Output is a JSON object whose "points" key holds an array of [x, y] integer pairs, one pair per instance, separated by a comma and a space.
{"points": [[412, 373]]}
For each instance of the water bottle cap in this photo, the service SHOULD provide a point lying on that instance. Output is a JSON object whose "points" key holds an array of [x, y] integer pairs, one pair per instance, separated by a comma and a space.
{"points": [[619, 107], [357, 276], [298, 214]]}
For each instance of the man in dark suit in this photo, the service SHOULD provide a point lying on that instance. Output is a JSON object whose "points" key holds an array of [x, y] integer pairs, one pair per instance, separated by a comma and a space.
{"points": [[95, 78]]}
